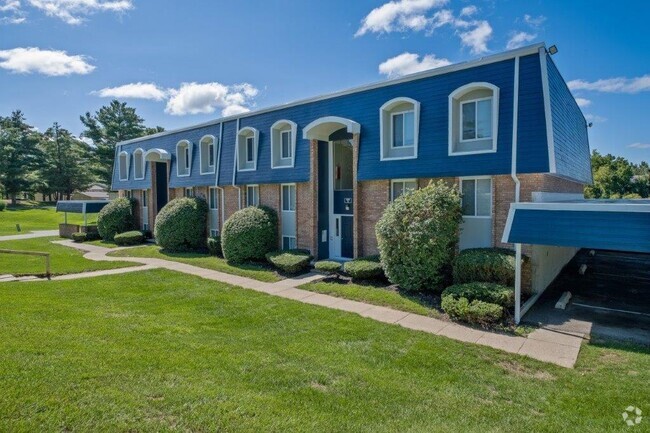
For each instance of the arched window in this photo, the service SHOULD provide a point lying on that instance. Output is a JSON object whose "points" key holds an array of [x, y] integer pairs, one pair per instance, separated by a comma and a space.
{"points": [[138, 164], [399, 126], [208, 154], [183, 158], [123, 165], [283, 144], [473, 119], [247, 141]]}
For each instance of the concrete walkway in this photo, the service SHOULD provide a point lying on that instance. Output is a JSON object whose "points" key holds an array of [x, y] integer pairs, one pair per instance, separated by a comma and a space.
{"points": [[34, 234], [541, 344]]}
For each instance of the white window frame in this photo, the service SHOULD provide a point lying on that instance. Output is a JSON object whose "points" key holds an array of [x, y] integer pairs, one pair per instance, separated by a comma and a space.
{"points": [[295, 242], [403, 182], [295, 195], [138, 153], [255, 188], [475, 179], [392, 132], [213, 144], [187, 156], [191, 191], [460, 119], [289, 147], [244, 134], [385, 108], [249, 157], [119, 166], [456, 95], [281, 126], [128, 193]]}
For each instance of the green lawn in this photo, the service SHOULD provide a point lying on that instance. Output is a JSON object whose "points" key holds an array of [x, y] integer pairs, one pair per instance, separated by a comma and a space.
{"points": [[203, 260], [63, 260], [36, 217], [163, 351]]}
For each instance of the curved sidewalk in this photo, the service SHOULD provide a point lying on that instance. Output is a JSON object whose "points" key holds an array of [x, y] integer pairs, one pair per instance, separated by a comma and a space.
{"points": [[541, 344], [34, 234]]}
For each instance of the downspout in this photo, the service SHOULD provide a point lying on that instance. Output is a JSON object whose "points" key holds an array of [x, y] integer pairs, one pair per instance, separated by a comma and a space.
{"points": [[513, 174], [234, 168], [216, 180]]}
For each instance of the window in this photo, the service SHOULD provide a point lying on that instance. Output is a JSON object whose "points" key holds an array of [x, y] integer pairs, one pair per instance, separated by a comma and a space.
{"points": [[213, 215], [183, 158], [145, 202], [401, 186], [138, 164], [289, 198], [288, 242], [286, 144], [473, 119], [283, 143], [476, 197], [207, 154], [128, 193], [252, 195], [399, 126], [188, 192], [123, 165], [247, 142], [250, 149], [212, 199]]}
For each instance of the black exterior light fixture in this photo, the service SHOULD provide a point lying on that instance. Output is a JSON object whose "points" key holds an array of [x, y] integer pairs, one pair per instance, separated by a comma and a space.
{"points": [[552, 49]]}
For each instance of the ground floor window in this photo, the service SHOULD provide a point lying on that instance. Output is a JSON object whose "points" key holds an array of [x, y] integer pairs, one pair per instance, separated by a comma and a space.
{"points": [[400, 186], [128, 193], [252, 195], [189, 192], [476, 197], [288, 216], [288, 197], [288, 242], [213, 215]]}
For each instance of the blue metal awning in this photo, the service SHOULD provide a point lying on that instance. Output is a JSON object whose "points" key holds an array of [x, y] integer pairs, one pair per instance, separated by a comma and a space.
{"points": [[80, 206], [622, 225]]}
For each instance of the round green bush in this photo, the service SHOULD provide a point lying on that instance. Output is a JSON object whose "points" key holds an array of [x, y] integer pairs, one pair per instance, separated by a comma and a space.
{"points": [[475, 311], [364, 268], [79, 237], [181, 224], [290, 261], [492, 265], [328, 267], [116, 217], [134, 237], [3, 205], [417, 237], [487, 292], [214, 246], [249, 234]]}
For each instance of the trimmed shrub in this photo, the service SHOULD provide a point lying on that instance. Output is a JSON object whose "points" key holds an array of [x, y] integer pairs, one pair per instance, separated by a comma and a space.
{"points": [[116, 217], [329, 267], [364, 268], [472, 311], [133, 237], [417, 237], [214, 246], [79, 237], [92, 235], [492, 265], [249, 234], [3, 205], [487, 292], [290, 261], [181, 224]]}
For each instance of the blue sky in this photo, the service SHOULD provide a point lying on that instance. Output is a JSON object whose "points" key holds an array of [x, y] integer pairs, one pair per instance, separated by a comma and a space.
{"points": [[185, 62]]}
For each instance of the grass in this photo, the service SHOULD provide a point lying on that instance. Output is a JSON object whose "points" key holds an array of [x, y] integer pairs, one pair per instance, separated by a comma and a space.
{"points": [[63, 260], [163, 351], [32, 216], [203, 260], [102, 243]]}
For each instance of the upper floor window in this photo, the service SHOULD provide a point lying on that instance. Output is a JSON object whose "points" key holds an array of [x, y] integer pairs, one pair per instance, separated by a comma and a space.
{"points": [[399, 187], [252, 195], [123, 165], [399, 126], [473, 119], [247, 142], [183, 158], [138, 164], [208, 154], [283, 143]]}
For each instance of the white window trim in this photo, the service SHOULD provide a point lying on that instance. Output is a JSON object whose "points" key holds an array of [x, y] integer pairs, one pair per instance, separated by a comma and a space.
{"points": [[294, 135], [143, 165], [244, 133], [282, 196], [394, 181], [257, 187], [392, 123], [290, 148], [214, 144], [295, 238], [216, 198], [475, 178], [119, 165], [457, 94], [188, 163], [460, 119], [416, 117]]}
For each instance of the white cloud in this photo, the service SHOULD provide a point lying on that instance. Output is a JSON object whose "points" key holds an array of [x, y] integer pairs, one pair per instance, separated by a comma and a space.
{"points": [[9, 6], [583, 102], [519, 39], [14, 14], [613, 85], [135, 91], [468, 11], [399, 16], [74, 11], [476, 39], [639, 145], [46, 62], [196, 98], [534, 21], [409, 63]]}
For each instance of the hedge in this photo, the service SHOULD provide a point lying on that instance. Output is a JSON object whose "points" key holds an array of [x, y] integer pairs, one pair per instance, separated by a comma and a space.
{"points": [[417, 237], [477, 302], [492, 265], [214, 246], [364, 268], [488, 292], [116, 217], [328, 266], [249, 234], [181, 224], [133, 237], [79, 237], [472, 311], [290, 261]]}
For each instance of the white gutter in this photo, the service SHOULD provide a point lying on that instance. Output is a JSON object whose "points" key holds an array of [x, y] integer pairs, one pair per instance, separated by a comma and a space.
{"points": [[513, 167], [234, 167]]}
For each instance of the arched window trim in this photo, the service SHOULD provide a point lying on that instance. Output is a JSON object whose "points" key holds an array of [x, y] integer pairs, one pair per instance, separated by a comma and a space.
{"points": [[243, 133], [386, 107], [119, 162], [459, 93], [178, 159], [139, 152], [201, 156], [294, 134]]}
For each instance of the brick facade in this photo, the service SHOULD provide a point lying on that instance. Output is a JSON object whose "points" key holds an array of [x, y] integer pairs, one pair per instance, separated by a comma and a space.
{"points": [[373, 197]]}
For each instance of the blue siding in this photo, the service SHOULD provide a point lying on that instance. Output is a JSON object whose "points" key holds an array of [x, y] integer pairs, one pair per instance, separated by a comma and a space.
{"points": [[624, 231], [532, 148], [570, 136]]}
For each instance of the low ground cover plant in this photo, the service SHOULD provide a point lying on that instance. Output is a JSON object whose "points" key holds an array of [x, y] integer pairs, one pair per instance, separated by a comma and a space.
{"points": [[133, 237], [290, 261], [364, 268]]}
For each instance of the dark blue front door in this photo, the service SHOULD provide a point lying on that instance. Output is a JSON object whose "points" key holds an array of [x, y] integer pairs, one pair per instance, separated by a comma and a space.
{"points": [[347, 238], [161, 185]]}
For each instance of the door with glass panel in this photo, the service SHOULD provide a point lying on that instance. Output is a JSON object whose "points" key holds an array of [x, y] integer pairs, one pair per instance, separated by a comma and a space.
{"points": [[477, 213], [213, 212], [145, 209]]}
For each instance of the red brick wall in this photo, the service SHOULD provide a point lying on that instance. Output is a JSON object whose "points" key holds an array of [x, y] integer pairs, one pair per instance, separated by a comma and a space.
{"points": [[373, 197], [306, 217]]}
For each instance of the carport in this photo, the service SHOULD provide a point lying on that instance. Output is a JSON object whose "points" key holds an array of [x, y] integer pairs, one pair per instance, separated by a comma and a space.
{"points": [[618, 225]]}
